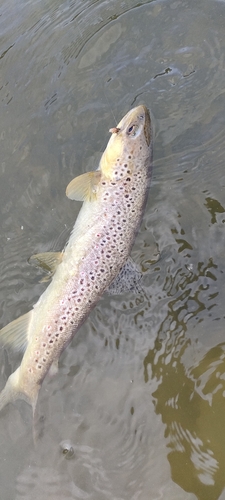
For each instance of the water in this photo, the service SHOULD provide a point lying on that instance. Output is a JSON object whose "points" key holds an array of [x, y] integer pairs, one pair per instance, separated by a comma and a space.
{"points": [[137, 409]]}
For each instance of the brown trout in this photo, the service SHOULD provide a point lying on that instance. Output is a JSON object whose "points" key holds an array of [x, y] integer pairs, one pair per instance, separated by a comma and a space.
{"points": [[114, 197]]}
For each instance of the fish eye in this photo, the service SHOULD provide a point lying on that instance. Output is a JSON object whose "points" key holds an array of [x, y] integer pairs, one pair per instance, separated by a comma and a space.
{"points": [[132, 130]]}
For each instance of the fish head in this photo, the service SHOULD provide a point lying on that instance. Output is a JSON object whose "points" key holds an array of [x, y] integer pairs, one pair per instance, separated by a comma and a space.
{"points": [[130, 141]]}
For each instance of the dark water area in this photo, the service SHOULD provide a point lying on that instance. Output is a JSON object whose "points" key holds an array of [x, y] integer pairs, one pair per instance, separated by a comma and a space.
{"points": [[136, 411]]}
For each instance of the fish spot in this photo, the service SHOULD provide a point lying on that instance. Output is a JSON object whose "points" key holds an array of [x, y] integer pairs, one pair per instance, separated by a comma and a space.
{"points": [[61, 328], [39, 366]]}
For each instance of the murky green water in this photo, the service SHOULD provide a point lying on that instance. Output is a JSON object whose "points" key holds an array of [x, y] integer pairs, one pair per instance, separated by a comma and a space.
{"points": [[139, 398]]}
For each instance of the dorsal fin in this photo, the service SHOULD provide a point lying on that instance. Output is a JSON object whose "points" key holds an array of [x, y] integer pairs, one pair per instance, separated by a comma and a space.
{"points": [[83, 187]]}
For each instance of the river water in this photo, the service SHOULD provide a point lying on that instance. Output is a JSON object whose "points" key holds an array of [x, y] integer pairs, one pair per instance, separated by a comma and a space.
{"points": [[136, 411]]}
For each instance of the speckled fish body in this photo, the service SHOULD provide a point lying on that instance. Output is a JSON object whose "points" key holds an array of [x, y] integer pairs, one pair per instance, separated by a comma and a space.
{"points": [[114, 197]]}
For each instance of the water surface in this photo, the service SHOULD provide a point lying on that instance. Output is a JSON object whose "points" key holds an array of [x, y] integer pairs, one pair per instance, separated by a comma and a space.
{"points": [[136, 411]]}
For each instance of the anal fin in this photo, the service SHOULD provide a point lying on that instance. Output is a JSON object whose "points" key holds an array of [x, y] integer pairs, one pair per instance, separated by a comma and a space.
{"points": [[16, 332]]}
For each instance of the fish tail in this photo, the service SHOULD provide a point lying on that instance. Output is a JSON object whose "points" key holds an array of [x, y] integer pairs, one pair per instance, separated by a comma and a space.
{"points": [[12, 391]]}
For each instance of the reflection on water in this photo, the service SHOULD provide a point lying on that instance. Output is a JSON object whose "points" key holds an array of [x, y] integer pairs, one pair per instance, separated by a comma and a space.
{"points": [[191, 403], [190, 392], [139, 395]]}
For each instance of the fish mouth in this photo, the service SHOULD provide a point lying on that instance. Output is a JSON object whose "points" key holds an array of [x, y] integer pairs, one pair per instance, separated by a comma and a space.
{"points": [[147, 126], [143, 112]]}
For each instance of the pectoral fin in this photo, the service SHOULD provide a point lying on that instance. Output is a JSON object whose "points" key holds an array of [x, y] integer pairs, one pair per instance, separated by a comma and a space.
{"points": [[127, 280], [16, 332], [48, 261], [83, 187]]}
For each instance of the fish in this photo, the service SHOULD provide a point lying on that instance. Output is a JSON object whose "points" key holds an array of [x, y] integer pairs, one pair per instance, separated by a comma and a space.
{"points": [[96, 255]]}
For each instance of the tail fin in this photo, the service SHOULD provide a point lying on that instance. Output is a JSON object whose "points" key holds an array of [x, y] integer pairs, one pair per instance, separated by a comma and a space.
{"points": [[12, 391]]}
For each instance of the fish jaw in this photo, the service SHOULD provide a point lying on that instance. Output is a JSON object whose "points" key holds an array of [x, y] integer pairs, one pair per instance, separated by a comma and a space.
{"points": [[130, 140]]}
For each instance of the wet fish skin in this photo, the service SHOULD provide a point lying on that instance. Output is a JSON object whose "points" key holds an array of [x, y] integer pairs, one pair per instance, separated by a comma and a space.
{"points": [[114, 198]]}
